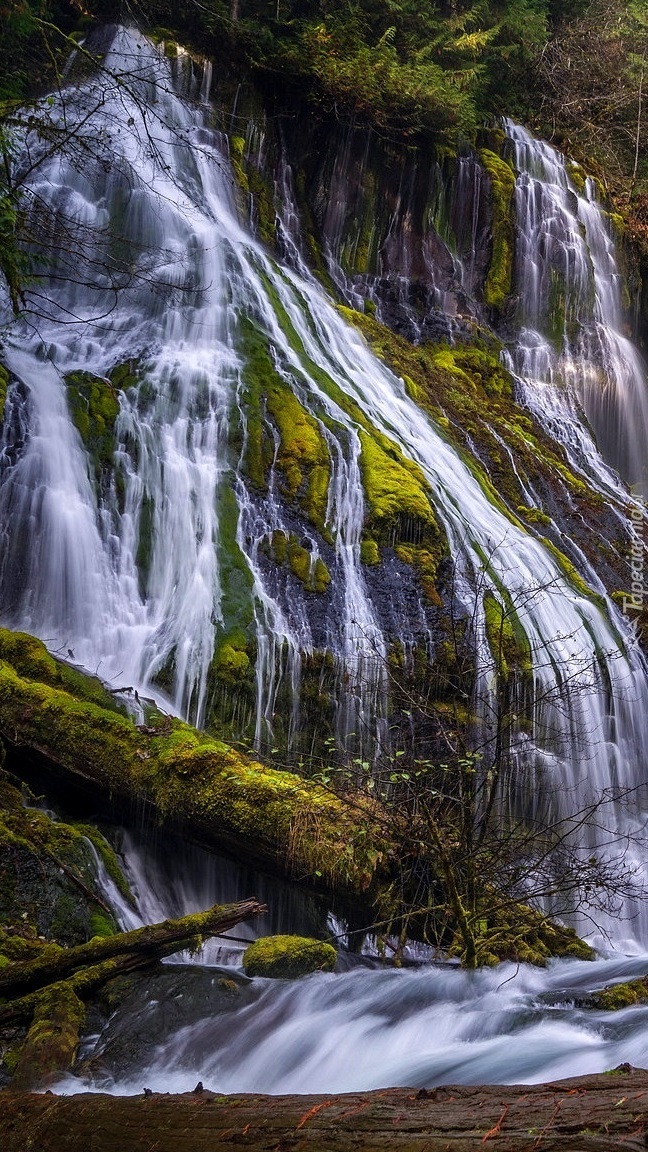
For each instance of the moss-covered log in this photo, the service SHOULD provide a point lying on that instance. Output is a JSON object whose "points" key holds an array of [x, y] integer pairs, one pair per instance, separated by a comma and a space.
{"points": [[589, 1114], [271, 819], [151, 942]]}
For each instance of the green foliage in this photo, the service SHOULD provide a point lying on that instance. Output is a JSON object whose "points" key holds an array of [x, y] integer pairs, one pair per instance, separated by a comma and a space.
{"points": [[288, 957]]}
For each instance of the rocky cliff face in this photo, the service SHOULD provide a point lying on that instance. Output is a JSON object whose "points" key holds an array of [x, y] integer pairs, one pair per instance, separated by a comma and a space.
{"points": [[298, 591]]}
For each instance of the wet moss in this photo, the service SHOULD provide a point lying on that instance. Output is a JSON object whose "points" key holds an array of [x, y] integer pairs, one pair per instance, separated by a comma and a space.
{"points": [[369, 552], [94, 406], [308, 568], [231, 663], [500, 270], [396, 491], [519, 933], [288, 957], [29, 657], [302, 457], [52, 1040], [4, 385], [506, 638], [47, 876], [470, 396], [229, 799], [625, 995]]}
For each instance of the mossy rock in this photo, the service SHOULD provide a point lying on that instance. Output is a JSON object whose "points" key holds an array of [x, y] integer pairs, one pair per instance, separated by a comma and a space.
{"points": [[617, 996], [519, 933], [288, 957], [310, 570], [52, 1040]]}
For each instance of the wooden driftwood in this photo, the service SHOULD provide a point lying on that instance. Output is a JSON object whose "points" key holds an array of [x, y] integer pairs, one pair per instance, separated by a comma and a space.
{"points": [[589, 1114]]}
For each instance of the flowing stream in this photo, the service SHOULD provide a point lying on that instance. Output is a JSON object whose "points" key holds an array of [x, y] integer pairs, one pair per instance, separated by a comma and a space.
{"points": [[133, 572]]}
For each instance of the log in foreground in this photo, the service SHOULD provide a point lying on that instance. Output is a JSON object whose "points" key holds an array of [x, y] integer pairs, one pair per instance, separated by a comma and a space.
{"points": [[589, 1114]]}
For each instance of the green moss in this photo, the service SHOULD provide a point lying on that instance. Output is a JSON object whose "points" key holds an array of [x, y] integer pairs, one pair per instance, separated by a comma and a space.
{"points": [[4, 385], [425, 564], [500, 270], [52, 1040], [369, 552], [274, 817], [253, 183], [29, 657], [108, 858], [534, 515], [310, 570], [102, 925], [577, 175], [519, 933], [94, 407], [232, 663], [288, 957], [507, 640], [396, 491], [617, 996], [476, 368], [303, 457]]}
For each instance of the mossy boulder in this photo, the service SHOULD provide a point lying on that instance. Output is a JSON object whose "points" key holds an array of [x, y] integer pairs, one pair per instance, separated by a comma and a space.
{"points": [[617, 996], [519, 933], [288, 957]]}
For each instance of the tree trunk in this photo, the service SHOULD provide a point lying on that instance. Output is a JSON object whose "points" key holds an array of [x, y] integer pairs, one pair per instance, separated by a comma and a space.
{"points": [[144, 944], [589, 1114]]}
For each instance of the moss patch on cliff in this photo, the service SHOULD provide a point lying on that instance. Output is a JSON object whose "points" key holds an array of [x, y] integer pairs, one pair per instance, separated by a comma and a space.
{"points": [[507, 640], [47, 875], [500, 269], [94, 407], [471, 397], [311, 571], [302, 456]]}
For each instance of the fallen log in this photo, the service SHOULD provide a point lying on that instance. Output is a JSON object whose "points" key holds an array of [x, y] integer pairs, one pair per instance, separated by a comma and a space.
{"points": [[61, 980], [150, 943], [588, 1114]]}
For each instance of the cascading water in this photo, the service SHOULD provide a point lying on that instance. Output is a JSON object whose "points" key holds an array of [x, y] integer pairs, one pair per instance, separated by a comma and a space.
{"points": [[138, 573], [571, 352]]}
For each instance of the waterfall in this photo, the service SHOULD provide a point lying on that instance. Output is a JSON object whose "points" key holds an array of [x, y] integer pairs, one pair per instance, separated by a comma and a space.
{"points": [[156, 569], [571, 352]]}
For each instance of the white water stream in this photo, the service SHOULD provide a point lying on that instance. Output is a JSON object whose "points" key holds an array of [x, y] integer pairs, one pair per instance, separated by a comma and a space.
{"points": [[69, 567]]}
